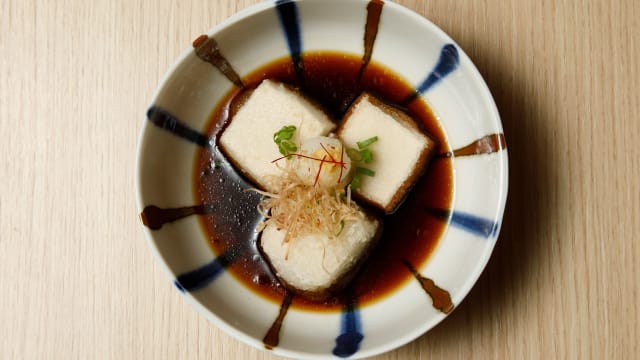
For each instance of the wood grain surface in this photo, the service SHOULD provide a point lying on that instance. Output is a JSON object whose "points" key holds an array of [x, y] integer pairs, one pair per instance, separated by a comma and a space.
{"points": [[79, 282]]}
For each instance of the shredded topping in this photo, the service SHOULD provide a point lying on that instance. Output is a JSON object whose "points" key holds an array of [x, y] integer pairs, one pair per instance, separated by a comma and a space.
{"points": [[327, 158], [300, 209]]}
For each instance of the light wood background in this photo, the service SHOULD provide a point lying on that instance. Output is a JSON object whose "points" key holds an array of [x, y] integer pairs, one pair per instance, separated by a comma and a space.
{"points": [[77, 280]]}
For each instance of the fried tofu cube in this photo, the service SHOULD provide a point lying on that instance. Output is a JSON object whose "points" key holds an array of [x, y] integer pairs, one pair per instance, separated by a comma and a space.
{"points": [[317, 265], [400, 154], [248, 139]]}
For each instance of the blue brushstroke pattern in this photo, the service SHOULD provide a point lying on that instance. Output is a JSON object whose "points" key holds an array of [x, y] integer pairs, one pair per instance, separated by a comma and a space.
{"points": [[447, 63], [348, 342], [474, 224], [290, 21], [468, 222], [164, 120], [204, 275]]}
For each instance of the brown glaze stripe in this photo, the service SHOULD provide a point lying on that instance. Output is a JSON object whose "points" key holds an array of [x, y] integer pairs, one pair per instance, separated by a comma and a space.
{"points": [[374, 9], [486, 145], [208, 50], [272, 338], [440, 297], [154, 217]]}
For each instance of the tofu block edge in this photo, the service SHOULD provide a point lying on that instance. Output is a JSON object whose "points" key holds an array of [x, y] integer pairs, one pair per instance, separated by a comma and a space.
{"points": [[401, 153], [247, 140]]}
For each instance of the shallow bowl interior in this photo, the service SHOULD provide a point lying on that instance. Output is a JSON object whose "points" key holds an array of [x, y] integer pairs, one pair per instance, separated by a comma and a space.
{"points": [[414, 48]]}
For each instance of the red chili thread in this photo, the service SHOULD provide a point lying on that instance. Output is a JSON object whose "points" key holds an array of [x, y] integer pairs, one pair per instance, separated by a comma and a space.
{"points": [[333, 161], [319, 170]]}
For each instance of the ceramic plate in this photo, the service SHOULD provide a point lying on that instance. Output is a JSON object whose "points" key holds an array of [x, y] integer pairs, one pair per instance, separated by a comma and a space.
{"points": [[175, 132]]}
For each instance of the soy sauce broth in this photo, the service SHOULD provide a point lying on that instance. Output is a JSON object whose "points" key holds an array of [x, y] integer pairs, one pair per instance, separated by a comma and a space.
{"points": [[411, 234]]}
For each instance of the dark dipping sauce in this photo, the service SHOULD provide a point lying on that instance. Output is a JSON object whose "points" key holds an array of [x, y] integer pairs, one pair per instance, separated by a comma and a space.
{"points": [[410, 234]]}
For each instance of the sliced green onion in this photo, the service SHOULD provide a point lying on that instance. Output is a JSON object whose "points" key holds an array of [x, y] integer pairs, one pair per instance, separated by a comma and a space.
{"points": [[364, 143], [355, 182], [366, 155], [363, 155], [285, 133], [364, 171], [354, 154], [282, 138], [289, 146]]}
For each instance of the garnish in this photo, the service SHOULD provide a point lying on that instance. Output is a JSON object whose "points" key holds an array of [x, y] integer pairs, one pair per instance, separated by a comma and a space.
{"points": [[364, 155], [327, 158], [361, 155], [300, 209], [357, 177], [364, 171], [283, 137], [367, 155], [365, 143], [354, 154]]}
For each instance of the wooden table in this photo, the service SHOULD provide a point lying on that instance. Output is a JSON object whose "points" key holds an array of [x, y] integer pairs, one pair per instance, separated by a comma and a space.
{"points": [[79, 282]]}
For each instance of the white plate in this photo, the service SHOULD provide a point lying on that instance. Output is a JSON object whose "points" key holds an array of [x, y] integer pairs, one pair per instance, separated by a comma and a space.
{"points": [[405, 42]]}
